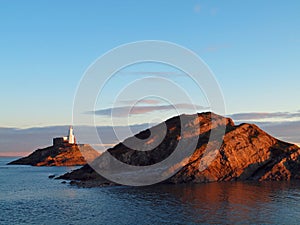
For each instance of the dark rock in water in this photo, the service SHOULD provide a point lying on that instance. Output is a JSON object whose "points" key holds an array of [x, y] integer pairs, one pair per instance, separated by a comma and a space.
{"points": [[59, 155], [51, 176], [246, 153], [86, 177], [64, 182]]}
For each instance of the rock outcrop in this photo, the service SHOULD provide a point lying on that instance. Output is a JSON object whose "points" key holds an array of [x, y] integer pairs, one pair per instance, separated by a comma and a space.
{"points": [[243, 152], [59, 155]]}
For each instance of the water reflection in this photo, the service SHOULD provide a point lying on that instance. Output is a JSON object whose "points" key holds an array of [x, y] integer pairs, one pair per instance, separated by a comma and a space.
{"points": [[237, 202]]}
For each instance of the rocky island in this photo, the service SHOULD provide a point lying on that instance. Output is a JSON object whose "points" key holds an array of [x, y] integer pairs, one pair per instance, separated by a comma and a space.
{"points": [[63, 152], [246, 153]]}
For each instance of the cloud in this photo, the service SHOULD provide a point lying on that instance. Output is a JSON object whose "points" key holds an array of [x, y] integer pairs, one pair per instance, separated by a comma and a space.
{"points": [[287, 131], [137, 110], [260, 116], [142, 101], [150, 101]]}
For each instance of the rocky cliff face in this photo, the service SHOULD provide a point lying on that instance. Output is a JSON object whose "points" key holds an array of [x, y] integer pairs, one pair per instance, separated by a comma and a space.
{"points": [[62, 155], [246, 153]]}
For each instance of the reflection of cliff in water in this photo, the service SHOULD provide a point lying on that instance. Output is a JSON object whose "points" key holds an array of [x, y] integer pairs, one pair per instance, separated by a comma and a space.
{"points": [[229, 202], [238, 201]]}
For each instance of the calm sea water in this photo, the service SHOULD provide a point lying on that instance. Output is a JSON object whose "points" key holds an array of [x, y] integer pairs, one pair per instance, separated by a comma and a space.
{"points": [[28, 196]]}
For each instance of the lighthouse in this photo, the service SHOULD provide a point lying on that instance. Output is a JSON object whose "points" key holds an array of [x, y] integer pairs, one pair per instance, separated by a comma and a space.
{"points": [[71, 138]]}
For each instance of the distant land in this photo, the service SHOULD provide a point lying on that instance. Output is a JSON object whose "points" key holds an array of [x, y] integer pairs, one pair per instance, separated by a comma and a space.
{"points": [[246, 153]]}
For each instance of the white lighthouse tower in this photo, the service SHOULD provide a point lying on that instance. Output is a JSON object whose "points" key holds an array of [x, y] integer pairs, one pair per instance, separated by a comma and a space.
{"points": [[71, 138]]}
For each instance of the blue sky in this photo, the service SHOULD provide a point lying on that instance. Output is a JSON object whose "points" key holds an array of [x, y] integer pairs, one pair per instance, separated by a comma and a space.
{"points": [[252, 47]]}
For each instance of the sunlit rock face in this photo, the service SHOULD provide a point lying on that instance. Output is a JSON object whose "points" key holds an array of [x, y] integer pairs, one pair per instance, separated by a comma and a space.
{"points": [[247, 153], [59, 155], [240, 152]]}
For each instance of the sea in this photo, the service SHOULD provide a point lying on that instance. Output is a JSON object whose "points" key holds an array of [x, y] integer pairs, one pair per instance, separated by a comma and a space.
{"points": [[29, 196]]}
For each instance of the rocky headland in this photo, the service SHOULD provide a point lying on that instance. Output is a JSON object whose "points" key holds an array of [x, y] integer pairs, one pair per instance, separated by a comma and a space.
{"points": [[59, 155], [246, 153]]}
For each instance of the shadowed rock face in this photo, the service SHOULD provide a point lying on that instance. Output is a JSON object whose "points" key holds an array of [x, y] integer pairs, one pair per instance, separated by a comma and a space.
{"points": [[63, 155], [246, 153]]}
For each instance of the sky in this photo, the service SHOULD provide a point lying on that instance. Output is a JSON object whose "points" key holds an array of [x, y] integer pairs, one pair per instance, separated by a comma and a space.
{"points": [[252, 48]]}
